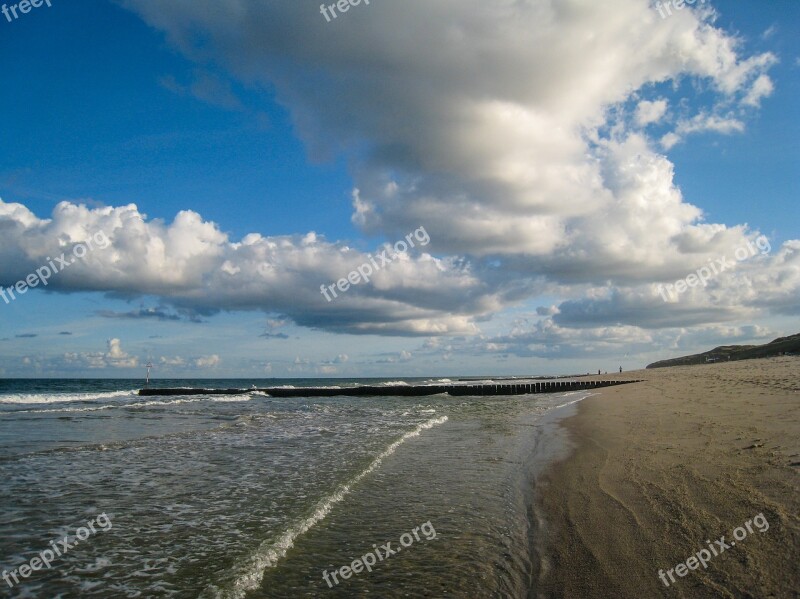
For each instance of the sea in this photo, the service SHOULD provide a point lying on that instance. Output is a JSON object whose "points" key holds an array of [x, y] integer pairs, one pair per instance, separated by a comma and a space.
{"points": [[252, 496]]}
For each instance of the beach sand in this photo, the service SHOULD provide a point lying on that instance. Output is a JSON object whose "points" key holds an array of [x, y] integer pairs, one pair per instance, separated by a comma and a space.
{"points": [[660, 467]]}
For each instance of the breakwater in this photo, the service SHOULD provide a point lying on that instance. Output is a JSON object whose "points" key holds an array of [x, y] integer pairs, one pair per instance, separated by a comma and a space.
{"points": [[556, 386]]}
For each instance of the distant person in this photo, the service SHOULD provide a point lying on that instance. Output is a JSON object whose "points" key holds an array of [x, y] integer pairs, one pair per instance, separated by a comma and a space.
{"points": [[620, 369], [598, 371]]}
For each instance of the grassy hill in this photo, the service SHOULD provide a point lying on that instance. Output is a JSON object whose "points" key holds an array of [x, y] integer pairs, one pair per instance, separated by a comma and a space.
{"points": [[724, 353]]}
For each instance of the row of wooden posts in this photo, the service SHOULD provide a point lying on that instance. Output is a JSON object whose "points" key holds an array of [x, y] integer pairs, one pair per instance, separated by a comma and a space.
{"points": [[550, 386]]}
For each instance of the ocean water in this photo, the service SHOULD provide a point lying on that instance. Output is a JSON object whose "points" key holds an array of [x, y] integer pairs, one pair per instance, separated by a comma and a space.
{"points": [[252, 496]]}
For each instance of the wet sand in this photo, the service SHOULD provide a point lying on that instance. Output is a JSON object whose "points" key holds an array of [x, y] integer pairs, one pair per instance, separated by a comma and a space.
{"points": [[661, 467]]}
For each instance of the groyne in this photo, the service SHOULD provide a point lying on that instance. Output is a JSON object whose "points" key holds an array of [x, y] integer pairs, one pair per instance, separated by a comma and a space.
{"points": [[555, 386]]}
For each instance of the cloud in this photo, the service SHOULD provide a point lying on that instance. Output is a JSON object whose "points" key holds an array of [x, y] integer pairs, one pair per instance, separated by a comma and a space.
{"points": [[197, 363], [174, 362], [762, 88], [26, 336], [649, 112], [207, 361], [141, 313], [331, 366], [546, 339], [461, 116], [117, 358], [114, 357], [191, 264], [274, 325], [472, 125], [396, 357]]}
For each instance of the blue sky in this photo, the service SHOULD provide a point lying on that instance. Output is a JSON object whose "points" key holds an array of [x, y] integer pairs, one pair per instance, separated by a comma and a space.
{"points": [[192, 109]]}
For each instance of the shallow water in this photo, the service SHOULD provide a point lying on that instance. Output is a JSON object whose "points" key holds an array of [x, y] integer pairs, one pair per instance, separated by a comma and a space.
{"points": [[250, 496]]}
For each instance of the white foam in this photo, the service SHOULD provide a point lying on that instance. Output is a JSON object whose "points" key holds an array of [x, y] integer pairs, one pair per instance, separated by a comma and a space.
{"points": [[46, 398], [267, 555], [138, 404], [574, 401]]}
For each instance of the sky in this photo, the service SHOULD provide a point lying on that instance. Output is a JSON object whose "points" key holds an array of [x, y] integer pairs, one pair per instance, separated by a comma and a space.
{"points": [[416, 188]]}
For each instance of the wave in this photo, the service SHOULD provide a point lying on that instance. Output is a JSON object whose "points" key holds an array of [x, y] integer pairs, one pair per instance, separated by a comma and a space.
{"points": [[574, 401], [251, 572], [138, 404], [46, 398]]}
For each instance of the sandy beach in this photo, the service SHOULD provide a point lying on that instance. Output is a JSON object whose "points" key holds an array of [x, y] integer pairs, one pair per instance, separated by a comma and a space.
{"points": [[661, 470]]}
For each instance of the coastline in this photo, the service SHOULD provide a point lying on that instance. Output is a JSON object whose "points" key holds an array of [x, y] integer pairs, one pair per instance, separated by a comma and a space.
{"points": [[659, 467], [552, 445]]}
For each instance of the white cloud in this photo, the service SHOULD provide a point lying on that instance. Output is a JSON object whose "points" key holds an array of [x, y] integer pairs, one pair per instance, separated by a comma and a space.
{"points": [[207, 361], [492, 124], [115, 357], [762, 88], [669, 140], [649, 112], [481, 124], [192, 264], [175, 361]]}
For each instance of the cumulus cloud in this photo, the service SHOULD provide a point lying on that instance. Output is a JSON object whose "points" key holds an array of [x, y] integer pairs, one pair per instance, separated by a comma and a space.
{"points": [[762, 88], [495, 125], [114, 357], [195, 266], [207, 361], [395, 357], [449, 132], [196, 363], [649, 112], [472, 125]]}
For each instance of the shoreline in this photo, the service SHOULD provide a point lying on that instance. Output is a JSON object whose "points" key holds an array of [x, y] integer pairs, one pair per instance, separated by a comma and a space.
{"points": [[656, 469], [552, 445]]}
